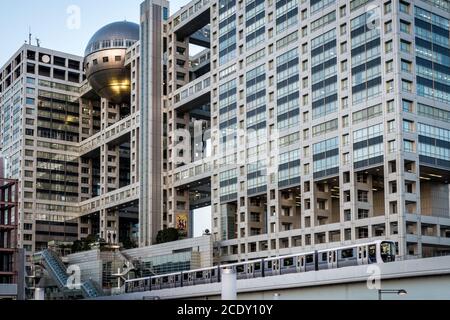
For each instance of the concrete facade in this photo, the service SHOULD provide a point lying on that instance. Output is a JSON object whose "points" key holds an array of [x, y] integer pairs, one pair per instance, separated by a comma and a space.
{"points": [[317, 115], [300, 124]]}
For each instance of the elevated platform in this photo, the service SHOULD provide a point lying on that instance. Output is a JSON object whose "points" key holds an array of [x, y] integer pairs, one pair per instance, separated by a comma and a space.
{"points": [[422, 278]]}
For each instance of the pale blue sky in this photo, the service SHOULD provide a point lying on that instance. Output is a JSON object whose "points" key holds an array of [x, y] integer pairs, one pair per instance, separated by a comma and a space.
{"points": [[48, 21]]}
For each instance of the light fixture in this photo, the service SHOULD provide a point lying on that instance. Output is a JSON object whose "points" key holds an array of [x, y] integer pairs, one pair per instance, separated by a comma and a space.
{"points": [[399, 292]]}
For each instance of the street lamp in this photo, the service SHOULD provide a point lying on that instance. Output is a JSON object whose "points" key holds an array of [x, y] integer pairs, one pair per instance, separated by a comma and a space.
{"points": [[399, 292]]}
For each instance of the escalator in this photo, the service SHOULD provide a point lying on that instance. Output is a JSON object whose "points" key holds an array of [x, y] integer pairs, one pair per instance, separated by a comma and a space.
{"points": [[58, 271]]}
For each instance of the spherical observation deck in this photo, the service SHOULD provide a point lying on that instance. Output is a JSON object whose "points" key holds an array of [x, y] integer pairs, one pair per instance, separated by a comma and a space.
{"points": [[105, 60]]}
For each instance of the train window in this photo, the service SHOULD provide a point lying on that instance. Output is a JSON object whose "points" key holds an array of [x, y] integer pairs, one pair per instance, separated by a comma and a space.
{"points": [[257, 266], [324, 256], [199, 275], [309, 258], [347, 253], [373, 252], [288, 262], [388, 251], [269, 264], [240, 269]]}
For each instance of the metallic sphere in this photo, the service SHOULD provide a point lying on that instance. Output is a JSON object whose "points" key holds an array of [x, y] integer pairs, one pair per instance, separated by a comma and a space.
{"points": [[105, 60]]}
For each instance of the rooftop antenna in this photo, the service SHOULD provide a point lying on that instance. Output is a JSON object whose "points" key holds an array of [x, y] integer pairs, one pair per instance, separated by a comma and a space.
{"points": [[38, 42], [29, 35]]}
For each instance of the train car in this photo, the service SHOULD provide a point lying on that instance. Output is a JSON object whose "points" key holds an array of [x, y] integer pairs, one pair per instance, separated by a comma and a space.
{"points": [[376, 252], [200, 276]]}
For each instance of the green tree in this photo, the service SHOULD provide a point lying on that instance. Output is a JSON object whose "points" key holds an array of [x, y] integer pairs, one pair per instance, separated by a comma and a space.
{"points": [[167, 235]]}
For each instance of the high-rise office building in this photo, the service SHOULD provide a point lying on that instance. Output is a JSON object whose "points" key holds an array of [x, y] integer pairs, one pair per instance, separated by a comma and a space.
{"points": [[295, 125], [40, 132], [327, 123]]}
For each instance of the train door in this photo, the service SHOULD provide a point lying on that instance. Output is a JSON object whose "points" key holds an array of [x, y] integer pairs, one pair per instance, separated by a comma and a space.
{"points": [[190, 279], [250, 270], [301, 266], [207, 276], [363, 257], [332, 259], [276, 267]]}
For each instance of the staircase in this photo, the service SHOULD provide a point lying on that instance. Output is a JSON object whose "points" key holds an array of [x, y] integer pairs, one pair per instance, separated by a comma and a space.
{"points": [[58, 271]]}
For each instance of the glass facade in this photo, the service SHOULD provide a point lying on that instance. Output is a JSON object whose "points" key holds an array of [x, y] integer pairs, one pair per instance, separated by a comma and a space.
{"points": [[324, 74], [366, 61], [432, 55], [256, 130], [227, 30]]}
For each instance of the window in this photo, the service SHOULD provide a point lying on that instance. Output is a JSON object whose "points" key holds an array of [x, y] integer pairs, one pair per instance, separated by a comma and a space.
{"points": [[345, 122], [346, 158], [347, 215], [28, 237], [406, 66], [343, 29], [392, 146], [387, 7], [363, 213], [343, 47], [405, 46], [344, 84], [118, 58], [388, 46], [347, 197], [406, 85], [344, 66], [363, 196], [405, 27], [408, 145], [389, 66], [407, 106], [347, 254], [404, 7], [390, 86], [342, 11], [408, 126], [391, 126], [344, 103], [388, 27], [345, 139], [390, 106]]}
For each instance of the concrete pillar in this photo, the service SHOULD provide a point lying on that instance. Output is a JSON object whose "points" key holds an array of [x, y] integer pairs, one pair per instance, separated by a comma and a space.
{"points": [[229, 284]]}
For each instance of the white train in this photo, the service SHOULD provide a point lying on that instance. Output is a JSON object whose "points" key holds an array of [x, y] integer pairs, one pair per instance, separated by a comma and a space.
{"points": [[375, 252]]}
